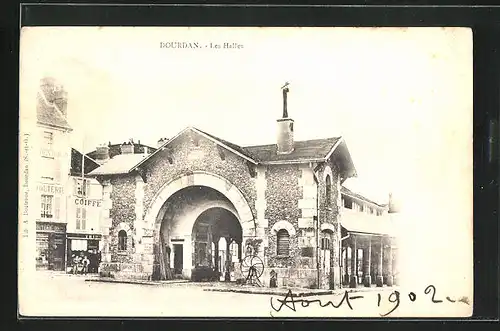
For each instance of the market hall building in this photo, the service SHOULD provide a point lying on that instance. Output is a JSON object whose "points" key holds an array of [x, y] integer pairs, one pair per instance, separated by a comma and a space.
{"points": [[201, 203]]}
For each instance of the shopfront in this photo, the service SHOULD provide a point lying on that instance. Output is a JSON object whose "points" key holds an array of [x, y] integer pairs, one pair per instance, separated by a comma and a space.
{"points": [[82, 244], [50, 246]]}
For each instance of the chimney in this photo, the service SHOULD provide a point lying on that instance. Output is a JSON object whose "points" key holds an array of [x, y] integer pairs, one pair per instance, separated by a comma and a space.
{"points": [[61, 101], [127, 148], [102, 154], [55, 94], [285, 127]]}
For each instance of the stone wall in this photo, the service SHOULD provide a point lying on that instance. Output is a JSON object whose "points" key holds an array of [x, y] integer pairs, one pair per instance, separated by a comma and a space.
{"points": [[282, 197], [192, 152], [122, 216]]}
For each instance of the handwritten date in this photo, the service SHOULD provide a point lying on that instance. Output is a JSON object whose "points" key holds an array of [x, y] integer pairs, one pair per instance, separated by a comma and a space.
{"points": [[290, 301]]}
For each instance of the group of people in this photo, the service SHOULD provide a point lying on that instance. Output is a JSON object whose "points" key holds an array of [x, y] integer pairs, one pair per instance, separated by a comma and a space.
{"points": [[85, 262]]}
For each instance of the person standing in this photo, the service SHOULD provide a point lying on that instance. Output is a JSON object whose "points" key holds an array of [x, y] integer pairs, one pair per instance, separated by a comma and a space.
{"points": [[86, 263]]}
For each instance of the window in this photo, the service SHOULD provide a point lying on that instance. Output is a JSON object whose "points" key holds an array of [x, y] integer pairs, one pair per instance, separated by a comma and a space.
{"points": [[47, 203], [122, 240], [81, 218], [283, 242], [82, 187], [328, 190], [347, 203], [48, 140], [325, 243]]}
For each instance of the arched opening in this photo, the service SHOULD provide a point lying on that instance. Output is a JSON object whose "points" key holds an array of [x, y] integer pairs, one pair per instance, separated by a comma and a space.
{"points": [[122, 240], [328, 184], [196, 223], [217, 238]]}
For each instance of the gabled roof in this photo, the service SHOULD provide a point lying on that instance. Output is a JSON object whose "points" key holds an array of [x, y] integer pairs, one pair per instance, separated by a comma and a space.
{"points": [[120, 164], [305, 150], [223, 143], [49, 114], [316, 150], [346, 191], [76, 163]]}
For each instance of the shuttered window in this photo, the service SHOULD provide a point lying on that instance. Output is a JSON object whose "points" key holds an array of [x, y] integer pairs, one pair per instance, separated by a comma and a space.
{"points": [[283, 242], [325, 243], [122, 240]]}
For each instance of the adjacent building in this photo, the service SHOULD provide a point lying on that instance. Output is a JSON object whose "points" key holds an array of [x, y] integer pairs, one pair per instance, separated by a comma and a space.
{"points": [[84, 203], [53, 162], [199, 204]]}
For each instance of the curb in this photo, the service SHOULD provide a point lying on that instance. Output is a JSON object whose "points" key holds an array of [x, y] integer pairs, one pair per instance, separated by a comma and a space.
{"points": [[111, 280]]}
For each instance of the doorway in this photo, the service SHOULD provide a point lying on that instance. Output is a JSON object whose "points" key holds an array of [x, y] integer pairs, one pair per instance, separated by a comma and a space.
{"points": [[178, 257]]}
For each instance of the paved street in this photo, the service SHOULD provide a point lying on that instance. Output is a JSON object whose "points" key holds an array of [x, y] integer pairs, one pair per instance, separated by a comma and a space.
{"points": [[52, 294]]}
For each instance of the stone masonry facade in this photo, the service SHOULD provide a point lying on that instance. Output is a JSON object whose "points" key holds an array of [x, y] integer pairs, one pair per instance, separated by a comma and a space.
{"points": [[278, 197]]}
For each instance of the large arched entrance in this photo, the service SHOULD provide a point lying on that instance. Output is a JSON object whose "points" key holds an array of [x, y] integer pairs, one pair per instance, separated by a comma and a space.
{"points": [[188, 215]]}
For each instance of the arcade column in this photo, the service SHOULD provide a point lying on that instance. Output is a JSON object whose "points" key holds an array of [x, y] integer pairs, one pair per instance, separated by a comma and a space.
{"points": [[354, 263], [380, 260], [367, 254]]}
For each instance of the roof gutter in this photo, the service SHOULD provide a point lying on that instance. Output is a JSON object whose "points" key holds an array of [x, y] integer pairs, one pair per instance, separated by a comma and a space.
{"points": [[316, 224]]}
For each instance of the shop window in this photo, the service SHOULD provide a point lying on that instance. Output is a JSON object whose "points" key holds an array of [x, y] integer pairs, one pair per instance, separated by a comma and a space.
{"points": [[122, 240], [81, 187], [81, 218], [47, 205], [328, 190], [283, 243]]}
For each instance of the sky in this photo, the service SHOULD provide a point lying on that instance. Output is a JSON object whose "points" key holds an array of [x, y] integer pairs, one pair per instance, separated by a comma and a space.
{"points": [[388, 91]]}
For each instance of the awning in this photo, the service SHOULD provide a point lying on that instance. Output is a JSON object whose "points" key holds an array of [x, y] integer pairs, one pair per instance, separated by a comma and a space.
{"points": [[78, 245], [372, 225]]}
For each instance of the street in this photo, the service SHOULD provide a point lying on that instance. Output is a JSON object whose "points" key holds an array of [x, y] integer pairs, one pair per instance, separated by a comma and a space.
{"points": [[52, 294]]}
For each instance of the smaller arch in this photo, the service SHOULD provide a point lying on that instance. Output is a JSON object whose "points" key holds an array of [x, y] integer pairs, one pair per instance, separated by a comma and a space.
{"points": [[283, 225], [328, 189], [122, 226], [122, 240], [328, 226]]}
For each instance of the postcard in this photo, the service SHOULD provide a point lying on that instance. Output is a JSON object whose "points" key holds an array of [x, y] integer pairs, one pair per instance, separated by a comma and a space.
{"points": [[245, 172]]}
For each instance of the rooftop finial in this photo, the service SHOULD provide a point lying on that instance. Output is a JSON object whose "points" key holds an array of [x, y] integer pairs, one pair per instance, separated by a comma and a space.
{"points": [[285, 91]]}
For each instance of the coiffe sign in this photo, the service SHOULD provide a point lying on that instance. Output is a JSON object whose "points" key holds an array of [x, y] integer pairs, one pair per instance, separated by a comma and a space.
{"points": [[86, 202]]}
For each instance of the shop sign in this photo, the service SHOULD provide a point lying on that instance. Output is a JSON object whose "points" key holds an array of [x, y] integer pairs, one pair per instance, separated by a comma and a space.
{"points": [[53, 227], [50, 188], [87, 202], [84, 236]]}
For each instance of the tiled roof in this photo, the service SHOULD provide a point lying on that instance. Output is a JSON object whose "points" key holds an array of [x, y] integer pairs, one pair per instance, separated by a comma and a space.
{"points": [[237, 148], [76, 163], [120, 164], [48, 114], [345, 190], [303, 150]]}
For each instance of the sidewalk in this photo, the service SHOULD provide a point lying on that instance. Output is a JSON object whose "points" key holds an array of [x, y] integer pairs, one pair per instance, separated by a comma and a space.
{"points": [[296, 292], [246, 289], [139, 282]]}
